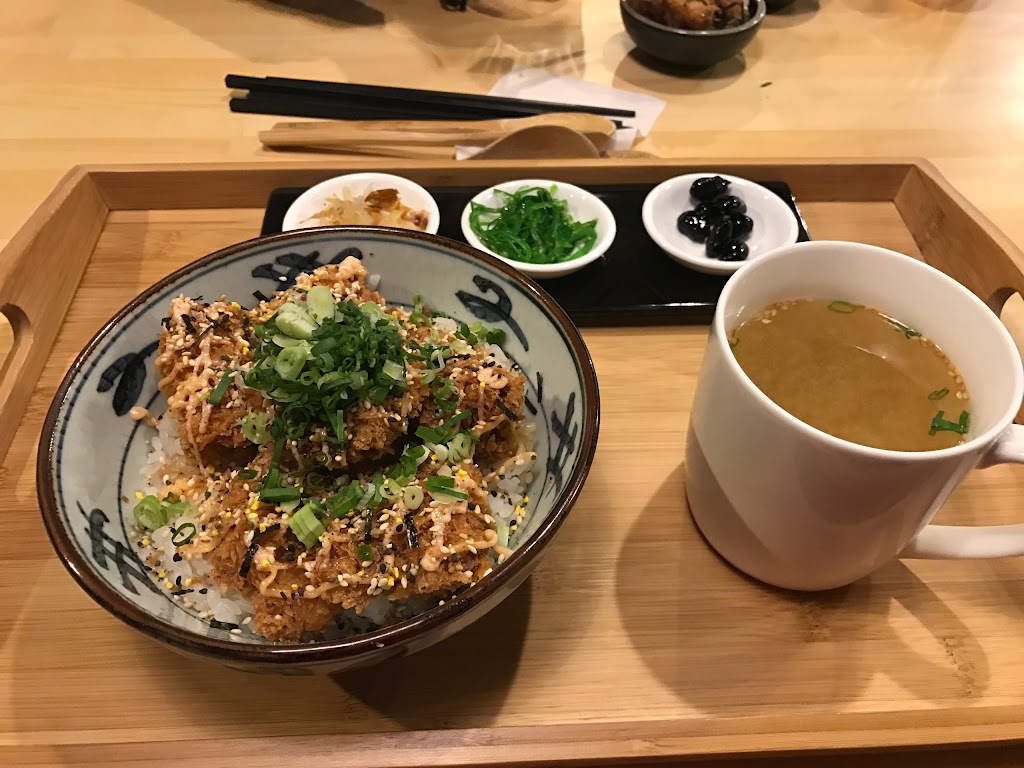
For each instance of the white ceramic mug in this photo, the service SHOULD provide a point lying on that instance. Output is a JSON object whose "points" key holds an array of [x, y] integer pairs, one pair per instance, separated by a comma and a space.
{"points": [[801, 509]]}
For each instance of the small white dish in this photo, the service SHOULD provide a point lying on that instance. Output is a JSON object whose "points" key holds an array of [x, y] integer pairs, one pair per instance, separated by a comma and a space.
{"points": [[583, 206], [301, 213], [775, 224]]}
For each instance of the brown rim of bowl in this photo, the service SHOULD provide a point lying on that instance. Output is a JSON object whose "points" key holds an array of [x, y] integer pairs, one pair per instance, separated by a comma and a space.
{"points": [[753, 21], [327, 651]]}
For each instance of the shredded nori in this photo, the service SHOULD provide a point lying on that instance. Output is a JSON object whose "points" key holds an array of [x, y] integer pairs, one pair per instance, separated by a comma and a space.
{"points": [[506, 410], [260, 296], [222, 625], [215, 324], [250, 553], [410, 531]]}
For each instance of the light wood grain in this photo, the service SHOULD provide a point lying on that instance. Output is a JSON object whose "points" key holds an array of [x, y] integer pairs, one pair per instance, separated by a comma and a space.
{"points": [[342, 134], [631, 641], [38, 276], [139, 81]]}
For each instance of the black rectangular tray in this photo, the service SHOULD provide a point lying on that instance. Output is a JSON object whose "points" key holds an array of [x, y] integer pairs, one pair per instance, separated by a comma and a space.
{"points": [[635, 283]]}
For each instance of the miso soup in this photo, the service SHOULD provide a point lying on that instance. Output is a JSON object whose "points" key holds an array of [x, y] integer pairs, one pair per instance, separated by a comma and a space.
{"points": [[854, 373]]}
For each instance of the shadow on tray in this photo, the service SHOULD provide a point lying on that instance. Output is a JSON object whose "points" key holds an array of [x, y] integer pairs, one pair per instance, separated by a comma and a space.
{"points": [[729, 645], [460, 682]]}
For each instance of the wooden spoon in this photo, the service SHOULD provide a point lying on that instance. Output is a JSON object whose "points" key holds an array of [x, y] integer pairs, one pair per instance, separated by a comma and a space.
{"points": [[543, 142], [341, 134]]}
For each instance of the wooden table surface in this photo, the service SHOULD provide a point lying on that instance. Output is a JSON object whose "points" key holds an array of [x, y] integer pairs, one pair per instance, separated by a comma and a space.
{"points": [[141, 81]]}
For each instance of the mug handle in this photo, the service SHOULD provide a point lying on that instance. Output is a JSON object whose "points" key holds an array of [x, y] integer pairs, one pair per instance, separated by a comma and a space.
{"points": [[960, 542]]}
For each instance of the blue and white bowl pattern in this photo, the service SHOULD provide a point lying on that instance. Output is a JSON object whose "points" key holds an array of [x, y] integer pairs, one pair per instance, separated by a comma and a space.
{"points": [[96, 449]]}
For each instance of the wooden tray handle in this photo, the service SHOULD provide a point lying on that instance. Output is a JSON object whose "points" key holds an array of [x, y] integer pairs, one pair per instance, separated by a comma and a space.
{"points": [[967, 248], [39, 272]]}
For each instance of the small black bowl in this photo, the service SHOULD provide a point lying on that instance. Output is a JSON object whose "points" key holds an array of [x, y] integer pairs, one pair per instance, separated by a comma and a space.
{"points": [[689, 48]]}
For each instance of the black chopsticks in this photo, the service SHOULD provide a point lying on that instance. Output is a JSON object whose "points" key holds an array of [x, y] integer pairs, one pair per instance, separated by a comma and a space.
{"points": [[352, 101]]}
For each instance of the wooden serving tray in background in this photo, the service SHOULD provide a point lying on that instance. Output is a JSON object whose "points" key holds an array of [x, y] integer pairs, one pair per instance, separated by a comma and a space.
{"points": [[631, 642]]}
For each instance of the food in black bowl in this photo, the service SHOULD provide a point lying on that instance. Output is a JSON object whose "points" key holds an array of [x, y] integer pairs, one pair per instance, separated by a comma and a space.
{"points": [[691, 33]]}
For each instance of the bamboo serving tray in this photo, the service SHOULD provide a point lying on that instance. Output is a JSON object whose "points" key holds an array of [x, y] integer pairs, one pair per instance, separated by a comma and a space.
{"points": [[632, 642]]}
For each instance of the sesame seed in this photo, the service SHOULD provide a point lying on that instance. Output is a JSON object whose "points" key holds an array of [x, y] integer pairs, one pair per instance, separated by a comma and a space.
{"points": [[236, 631]]}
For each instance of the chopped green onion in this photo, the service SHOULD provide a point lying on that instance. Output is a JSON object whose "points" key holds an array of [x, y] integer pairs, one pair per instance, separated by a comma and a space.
{"points": [[306, 526], [450, 495], [365, 553], [443, 488], [314, 480], [315, 382], [274, 495], [294, 321], [376, 485], [320, 303], [221, 389], [289, 506], [393, 370], [842, 307], [291, 360], [373, 311], [413, 497], [188, 530], [337, 420], [344, 501], [150, 513], [454, 420], [938, 394], [176, 508], [428, 434], [390, 489], [285, 341], [254, 427], [442, 433], [418, 317], [460, 447], [906, 330], [940, 424], [247, 474]]}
